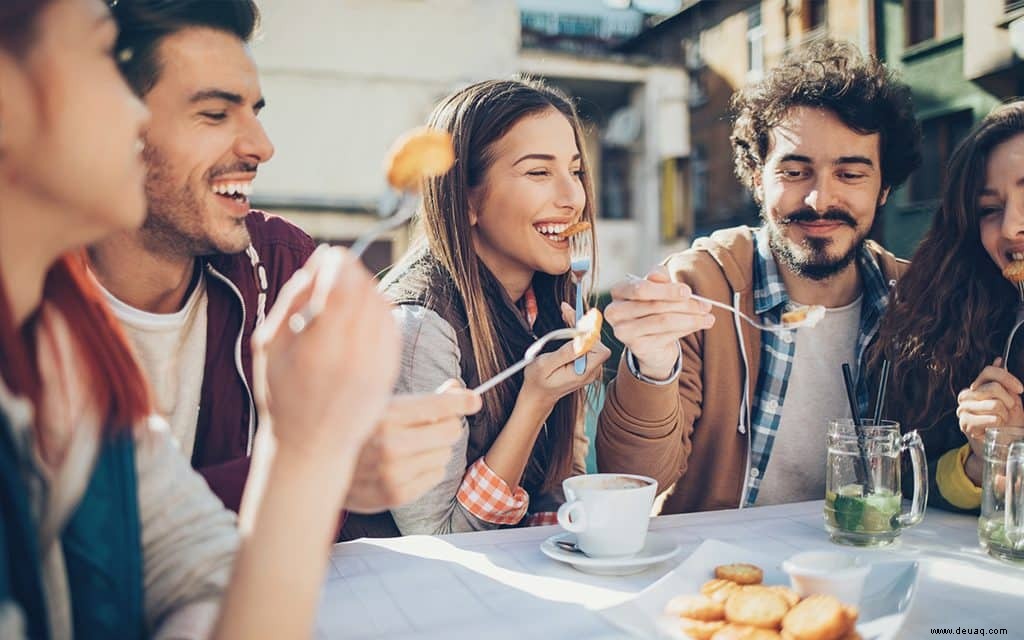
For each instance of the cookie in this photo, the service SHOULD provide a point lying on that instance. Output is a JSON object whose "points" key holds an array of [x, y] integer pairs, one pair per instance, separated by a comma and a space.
{"points": [[700, 629], [758, 607], [791, 597], [718, 589], [740, 573], [418, 154], [696, 607], [817, 617], [743, 632]]}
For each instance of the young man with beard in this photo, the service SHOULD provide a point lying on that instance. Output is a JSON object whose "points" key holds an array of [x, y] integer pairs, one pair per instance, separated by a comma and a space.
{"points": [[722, 414], [193, 283]]}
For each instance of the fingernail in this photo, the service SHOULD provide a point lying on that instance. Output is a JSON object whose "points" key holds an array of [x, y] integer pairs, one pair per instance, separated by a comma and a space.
{"points": [[682, 290]]}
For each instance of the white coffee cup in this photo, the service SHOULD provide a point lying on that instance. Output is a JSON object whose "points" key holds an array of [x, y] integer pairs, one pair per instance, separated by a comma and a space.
{"points": [[608, 512]]}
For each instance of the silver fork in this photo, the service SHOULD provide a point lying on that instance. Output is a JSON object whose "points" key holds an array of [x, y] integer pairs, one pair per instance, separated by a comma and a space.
{"points": [[531, 355], [1016, 325], [754, 322], [401, 209], [579, 257]]}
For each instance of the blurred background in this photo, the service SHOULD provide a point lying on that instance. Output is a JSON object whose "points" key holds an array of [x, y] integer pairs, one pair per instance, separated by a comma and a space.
{"points": [[652, 80]]}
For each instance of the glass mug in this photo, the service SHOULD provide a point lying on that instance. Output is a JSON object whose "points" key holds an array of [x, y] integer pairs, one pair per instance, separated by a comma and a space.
{"points": [[1001, 525], [871, 516]]}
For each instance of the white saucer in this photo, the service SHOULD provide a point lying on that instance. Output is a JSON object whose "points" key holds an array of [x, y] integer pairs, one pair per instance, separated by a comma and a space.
{"points": [[657, 547]]}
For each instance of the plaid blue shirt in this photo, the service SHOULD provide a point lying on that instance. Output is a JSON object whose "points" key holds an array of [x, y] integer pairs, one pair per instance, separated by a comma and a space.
{"points": [[777, 349]]}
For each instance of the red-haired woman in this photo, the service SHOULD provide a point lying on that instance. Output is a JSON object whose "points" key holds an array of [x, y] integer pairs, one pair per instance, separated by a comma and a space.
{"points": [[105, 531]]}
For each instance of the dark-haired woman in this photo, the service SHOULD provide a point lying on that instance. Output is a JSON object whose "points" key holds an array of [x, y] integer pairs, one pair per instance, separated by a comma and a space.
{"points": [[946, 332], [490, 275], [105, 531]]}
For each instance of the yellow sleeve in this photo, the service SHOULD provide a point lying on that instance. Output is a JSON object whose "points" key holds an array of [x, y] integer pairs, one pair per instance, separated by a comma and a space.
{"points": [[952, 480]]}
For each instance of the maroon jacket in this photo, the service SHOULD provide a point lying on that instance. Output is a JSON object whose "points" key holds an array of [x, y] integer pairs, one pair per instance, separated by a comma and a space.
{"points": [[235, 283]]}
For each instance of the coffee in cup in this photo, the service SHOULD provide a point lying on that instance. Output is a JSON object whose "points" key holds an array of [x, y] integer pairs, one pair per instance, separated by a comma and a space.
{"points": [[608, 512]]}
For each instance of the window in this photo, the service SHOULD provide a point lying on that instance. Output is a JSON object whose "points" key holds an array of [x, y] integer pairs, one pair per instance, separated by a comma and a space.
{"points": [[755, 43], [615, 183], [940, 136], [932, 19], [814, 14]]}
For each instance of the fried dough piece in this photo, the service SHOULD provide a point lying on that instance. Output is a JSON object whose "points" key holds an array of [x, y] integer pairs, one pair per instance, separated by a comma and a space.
{"points": [[591, 323], [1014, 272], [719, 589], [817, 617], [740, 573], [695, 607], [700, 629], [573, 229], [756, 607], [420, 153]]}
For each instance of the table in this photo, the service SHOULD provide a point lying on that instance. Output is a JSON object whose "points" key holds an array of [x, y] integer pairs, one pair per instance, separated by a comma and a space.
{"points": [[497, 584]]}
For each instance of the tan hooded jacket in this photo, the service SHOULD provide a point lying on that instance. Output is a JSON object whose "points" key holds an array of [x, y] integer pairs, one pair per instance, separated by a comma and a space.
{"points": [[694, 436]]}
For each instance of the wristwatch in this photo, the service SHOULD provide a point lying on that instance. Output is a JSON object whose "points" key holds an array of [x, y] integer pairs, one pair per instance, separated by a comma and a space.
{"points": [[634, 368]]}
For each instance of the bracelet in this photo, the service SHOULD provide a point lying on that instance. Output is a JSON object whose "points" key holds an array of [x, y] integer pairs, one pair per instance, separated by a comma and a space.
{"points": [[634, 368]]}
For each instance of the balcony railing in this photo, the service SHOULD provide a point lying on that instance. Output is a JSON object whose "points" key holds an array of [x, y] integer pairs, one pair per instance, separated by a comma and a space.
{"points": [[1014, 5]]}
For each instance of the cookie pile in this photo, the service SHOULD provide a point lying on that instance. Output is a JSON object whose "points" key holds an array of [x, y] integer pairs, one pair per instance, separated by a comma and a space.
{"points": [[736, 605]]}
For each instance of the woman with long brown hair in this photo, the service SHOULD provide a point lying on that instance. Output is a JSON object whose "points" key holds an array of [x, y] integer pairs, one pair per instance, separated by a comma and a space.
{"points": [[946, 330], [489, 276], [105, 530]]}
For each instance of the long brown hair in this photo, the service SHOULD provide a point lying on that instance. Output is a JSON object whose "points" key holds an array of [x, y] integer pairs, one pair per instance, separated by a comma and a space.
{"points": [[115, 379], [952, 308], [477, 117]]}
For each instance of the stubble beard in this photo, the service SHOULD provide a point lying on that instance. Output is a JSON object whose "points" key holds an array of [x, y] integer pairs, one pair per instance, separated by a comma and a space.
{"points": [[173, 226], [810, 257]]}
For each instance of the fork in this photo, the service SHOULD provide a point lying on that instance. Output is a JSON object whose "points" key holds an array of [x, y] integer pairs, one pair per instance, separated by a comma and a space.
{"points": [[401, 209], [579, 260], [1016, 325], [754, 322], [531, 355]]}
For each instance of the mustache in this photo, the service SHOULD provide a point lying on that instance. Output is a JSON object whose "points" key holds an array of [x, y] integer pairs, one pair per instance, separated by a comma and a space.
{"points": [[238, 167], [810, 215]]}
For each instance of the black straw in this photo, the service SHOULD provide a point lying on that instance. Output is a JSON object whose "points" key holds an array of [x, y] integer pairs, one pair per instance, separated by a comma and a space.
{"points": [[860, 467], [883, 382]]}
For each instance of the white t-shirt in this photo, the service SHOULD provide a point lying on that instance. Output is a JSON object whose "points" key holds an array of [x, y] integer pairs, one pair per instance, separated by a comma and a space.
{"points": [[171, 347], [815, 394]]}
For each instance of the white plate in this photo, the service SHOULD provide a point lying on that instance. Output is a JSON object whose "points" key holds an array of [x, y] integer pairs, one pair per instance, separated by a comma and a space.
{"points": [[888, 592], [657, 547]]}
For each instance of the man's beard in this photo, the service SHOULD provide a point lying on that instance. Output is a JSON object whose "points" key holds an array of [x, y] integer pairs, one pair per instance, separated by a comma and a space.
{"points": [[174, 220], [814, 261]]}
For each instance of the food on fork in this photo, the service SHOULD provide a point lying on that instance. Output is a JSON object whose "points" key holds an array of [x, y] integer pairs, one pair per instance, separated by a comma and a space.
{"points": [[804, 316], [1014, 272], [590, 324], [573, 229], [740, 573], [418, 154]]}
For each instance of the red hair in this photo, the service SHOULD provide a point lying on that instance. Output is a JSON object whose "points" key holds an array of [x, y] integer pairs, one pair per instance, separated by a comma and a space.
{"points": [[115, 378]]}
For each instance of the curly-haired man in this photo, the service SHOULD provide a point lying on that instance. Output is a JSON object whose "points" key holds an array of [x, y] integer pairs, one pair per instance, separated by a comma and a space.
{"points": [[725, 415]]}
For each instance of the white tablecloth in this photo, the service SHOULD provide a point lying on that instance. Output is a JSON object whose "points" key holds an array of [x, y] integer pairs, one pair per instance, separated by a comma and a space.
{"points": [[498, 584]]}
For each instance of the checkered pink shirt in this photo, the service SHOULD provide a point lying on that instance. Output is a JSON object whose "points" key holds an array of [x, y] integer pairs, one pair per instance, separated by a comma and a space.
{"points": [[485, 495]]}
